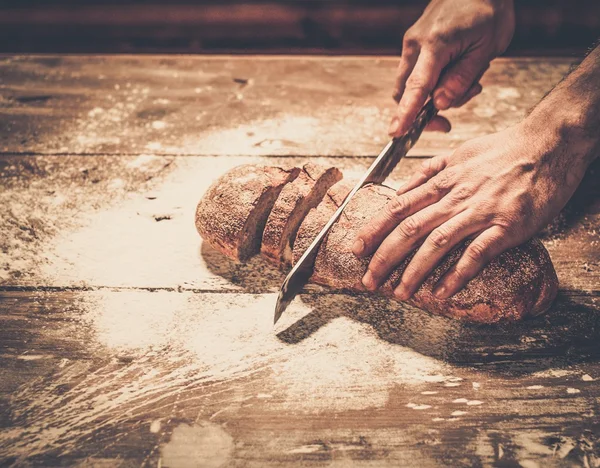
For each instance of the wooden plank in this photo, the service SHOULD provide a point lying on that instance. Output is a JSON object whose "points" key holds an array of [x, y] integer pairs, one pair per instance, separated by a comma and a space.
{"points": [[116, 221], [236, 106], [185, 379]]}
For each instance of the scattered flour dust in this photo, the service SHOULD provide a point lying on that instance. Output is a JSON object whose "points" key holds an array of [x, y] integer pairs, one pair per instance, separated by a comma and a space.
{"points": [[343, 365], [207, 445], [117, 246], [164, 349], [256, 137]]}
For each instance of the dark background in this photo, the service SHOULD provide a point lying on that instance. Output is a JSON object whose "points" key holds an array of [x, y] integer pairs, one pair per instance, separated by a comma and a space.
{"points": [[559, 27]]}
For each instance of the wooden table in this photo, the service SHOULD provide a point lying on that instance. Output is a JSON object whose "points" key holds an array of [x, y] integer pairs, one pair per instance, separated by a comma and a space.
{"points": [[126, 342]]}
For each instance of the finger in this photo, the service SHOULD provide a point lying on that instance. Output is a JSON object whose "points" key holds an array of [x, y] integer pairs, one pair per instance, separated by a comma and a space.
{"points": [[393, 213], [418, 86], [437, 245], [457, 80], [478, 253], [473, 91], [439, 124], [404, 240], [409, 57], [429, 168]]}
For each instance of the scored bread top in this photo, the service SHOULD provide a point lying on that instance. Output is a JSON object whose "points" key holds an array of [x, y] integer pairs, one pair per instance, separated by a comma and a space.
{"points": [[232, 213]]}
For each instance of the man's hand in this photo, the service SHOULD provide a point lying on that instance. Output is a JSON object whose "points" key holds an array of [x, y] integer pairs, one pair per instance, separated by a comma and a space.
{"points": [[498, 190], [445, 52]]}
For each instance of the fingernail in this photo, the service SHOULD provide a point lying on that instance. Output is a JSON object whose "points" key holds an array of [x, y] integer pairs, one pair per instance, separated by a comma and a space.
{"points": [[358, 247], [401, 292], [441, 291], [394, 126], [369, 282], [442, 101]]}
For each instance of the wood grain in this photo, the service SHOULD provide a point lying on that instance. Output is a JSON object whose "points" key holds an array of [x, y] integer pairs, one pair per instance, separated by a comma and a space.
{"points": [[77, 221], [126, 342], [134, 376], [227, 106]]}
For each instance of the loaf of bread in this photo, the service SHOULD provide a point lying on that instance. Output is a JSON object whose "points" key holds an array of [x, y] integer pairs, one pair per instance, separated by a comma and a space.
{"points": [[520, 282]]}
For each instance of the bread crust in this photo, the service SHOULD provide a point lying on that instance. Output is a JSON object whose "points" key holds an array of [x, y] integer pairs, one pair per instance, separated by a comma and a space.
{"points": [[316, 218], [232, 213]]}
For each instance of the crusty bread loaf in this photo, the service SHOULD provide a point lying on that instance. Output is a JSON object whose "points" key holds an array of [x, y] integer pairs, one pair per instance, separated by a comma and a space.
{"points": [[233, 211], [295, 200], [518, 283]]}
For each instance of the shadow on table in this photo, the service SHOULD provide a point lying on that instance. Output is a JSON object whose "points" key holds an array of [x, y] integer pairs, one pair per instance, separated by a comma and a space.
{"points": [[254, 276], [585, 200], [567, 334]]}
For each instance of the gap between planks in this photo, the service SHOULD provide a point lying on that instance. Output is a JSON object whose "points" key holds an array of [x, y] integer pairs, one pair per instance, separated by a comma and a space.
{"points": [[206, 155], [58, 289]]}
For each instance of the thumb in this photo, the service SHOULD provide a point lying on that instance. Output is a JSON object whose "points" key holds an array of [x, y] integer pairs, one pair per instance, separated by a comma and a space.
{"points": [[457, 80]]}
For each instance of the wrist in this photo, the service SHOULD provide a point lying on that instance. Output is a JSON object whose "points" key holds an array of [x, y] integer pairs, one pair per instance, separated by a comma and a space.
{"points": [[563, 122]]}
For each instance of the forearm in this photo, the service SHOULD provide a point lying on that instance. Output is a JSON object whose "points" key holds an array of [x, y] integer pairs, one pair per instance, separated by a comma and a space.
{"points": [[571, 112]]}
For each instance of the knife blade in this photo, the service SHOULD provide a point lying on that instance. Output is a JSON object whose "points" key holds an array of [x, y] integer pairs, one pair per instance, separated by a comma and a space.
{"points": [[383, 165]]}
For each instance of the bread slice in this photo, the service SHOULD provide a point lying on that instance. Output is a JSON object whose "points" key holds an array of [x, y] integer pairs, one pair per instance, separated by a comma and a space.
{"points": [[294, 202], [233, 211], [317, 217], [517, 283]]}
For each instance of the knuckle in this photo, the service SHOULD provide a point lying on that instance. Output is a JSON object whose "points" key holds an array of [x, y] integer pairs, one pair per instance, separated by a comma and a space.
{"points": [[477, 252], [396, 207], [418, 84], [409, 276], [378, 263], [441, 182], [411, 42], [428, 166], [460, 274], [410, 227], [461, 193], [440, 36], [459, 82], [439, 238], [506, 220]]}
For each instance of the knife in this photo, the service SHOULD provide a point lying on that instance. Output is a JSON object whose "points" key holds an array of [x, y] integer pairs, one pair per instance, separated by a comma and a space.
{"points": [[383, 165]]}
